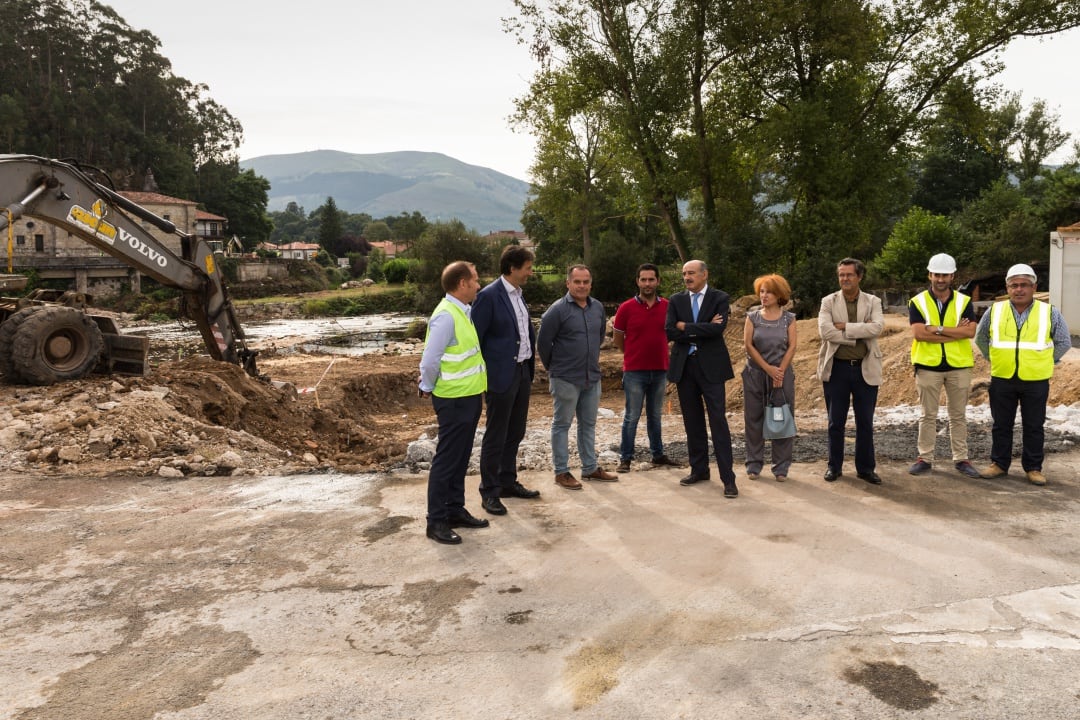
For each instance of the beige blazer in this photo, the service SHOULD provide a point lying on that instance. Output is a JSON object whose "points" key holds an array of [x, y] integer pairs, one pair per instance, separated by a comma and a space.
{"points": [[871, 322]]}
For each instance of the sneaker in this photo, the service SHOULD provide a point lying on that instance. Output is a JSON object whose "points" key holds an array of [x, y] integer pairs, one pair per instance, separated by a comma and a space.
{"points": [[623, 467], [753, 475], [994, 471], [1035, 477], [966, 468], [781, 478], [919, 467]]}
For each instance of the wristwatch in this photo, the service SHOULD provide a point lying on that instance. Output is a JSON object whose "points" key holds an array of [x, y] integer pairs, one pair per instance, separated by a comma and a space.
{"points": [[940, 330]]}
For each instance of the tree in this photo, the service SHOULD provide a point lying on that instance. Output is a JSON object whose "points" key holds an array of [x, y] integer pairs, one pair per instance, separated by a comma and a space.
{"points": [[1040, 135], [965, 147], [376, 231], [113, 103], [816, 102], [330, 225], [1001, 227], [914, 239]]}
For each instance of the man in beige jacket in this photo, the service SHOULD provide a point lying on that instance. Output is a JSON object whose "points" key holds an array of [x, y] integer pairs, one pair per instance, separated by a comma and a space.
{"points": [[849, 365]]}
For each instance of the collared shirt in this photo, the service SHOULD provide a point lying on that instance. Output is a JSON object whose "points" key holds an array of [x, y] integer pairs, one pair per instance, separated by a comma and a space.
{"points": [[569, 340], [521, 314], [645, 345], [440, 336], [1058, 328]]}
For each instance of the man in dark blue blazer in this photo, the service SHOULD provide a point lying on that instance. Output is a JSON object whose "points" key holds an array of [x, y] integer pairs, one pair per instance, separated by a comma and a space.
{"points": [[508, 344], [700, 365]]}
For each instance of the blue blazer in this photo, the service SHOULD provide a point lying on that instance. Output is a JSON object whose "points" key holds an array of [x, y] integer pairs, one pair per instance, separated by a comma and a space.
{"points": [[497, 328]]}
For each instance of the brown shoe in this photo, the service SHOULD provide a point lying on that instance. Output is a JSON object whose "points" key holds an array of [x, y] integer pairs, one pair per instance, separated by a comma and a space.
{"points": [[568, 481], [993, 471], [602, 475], [1035, 477]]}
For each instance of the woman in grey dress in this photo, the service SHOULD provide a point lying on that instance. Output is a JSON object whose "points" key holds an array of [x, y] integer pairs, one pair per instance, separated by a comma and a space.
{"points": [[770, 337]]}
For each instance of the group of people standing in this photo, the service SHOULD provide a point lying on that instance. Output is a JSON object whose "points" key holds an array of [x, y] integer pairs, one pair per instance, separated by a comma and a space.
{"points": [[481, 345]]}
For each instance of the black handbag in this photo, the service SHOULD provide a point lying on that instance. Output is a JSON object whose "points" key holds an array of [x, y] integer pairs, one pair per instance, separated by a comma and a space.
{"points": [[779, 420]]}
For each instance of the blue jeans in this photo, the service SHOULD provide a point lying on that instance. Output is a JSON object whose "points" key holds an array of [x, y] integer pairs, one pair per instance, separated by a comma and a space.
{"points": [[570, 401], [638, 386]]}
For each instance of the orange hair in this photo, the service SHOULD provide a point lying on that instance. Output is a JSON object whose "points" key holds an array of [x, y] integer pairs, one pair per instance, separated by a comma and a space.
{"points": [[777, 285]]}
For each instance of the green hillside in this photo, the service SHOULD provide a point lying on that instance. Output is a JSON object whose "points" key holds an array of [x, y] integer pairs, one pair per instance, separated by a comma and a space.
{"points": [[383, 184]]}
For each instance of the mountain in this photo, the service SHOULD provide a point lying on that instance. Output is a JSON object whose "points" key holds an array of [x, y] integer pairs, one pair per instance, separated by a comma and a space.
{"points": [[384, 184]]}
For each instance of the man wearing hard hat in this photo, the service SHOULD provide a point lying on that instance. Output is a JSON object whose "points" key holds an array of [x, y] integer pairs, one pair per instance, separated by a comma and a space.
{"points": [[942, 325], [1023, 338]]}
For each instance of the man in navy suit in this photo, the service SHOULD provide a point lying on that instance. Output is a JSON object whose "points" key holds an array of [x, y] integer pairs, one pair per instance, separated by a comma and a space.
{"points": [[508, 343], [699, 366]]}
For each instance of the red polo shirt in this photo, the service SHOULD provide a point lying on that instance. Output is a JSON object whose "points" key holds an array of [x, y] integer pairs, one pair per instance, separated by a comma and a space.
{"points": [[645, 345]]}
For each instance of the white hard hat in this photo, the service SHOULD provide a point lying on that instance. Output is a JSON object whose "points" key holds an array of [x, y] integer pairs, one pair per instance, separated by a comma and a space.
{"points": [[1020, 269], [942, 264]]}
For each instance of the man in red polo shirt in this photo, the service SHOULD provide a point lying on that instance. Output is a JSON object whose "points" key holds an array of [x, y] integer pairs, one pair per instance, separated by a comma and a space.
{"points": [[639, 333]]}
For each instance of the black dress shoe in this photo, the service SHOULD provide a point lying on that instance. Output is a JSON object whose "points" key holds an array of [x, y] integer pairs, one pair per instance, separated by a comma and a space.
{"points": [[831, 475], [493, 506], [520, 491], [871, 477], [692, 479], [440, 532], [730, 491], [466, 519]]}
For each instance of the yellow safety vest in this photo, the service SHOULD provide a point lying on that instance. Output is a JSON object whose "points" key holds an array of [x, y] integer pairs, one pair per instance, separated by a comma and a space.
{"points": [[1027, 354], [958, 352], [461, 370]]}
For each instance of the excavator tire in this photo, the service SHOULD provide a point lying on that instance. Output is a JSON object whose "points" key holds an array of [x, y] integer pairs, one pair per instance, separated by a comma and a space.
{"points": [[7, 341], [56, 344]]}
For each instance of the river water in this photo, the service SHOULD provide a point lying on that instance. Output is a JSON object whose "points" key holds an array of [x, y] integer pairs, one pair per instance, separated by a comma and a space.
{"points": [[338, 335]]}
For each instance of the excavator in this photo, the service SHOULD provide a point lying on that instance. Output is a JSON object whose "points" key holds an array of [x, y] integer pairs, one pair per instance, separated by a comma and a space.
{"points": [[54, 336]]}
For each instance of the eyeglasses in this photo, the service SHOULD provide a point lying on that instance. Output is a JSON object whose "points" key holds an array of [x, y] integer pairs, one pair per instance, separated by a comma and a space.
{"points": [[1019, 286]]}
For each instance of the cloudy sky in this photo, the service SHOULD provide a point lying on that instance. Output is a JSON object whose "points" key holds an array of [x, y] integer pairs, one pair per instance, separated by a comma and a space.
{"points": [[369, 77]]}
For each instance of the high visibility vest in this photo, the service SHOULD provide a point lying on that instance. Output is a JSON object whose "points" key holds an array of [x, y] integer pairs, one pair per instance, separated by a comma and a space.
{"points": [[1027, 354], [461, 370], [958, 352]]}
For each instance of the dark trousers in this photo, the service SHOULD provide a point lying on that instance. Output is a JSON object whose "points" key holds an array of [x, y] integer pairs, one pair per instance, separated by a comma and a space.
{"points": [[847, 388], [458, 418], [507, 414], [693, 390], [1031, 396]]}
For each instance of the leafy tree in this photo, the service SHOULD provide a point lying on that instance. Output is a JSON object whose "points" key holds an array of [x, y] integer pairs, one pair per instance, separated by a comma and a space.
{"points": [[913, 241], [965, 147], [113, 103], [1040, 136], [407, 226], [1001, 227], [376, 231], [375, 262]]}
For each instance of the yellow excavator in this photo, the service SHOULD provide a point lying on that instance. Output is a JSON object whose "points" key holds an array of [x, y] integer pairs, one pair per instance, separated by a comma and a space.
{"points": [[51, 336]]}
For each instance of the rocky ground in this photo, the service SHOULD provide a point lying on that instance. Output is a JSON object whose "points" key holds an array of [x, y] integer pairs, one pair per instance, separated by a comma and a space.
{"points": [[195, 416]]}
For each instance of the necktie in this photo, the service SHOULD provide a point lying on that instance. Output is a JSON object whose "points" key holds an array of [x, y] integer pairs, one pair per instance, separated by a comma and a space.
{"points": [[694, 307]]}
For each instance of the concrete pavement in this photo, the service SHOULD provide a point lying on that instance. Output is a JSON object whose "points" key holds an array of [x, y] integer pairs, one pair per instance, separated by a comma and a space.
{"points": [[319, 596]]}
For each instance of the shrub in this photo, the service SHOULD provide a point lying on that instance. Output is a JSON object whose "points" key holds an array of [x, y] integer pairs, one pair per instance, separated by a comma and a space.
{"points": [[397, 270]]}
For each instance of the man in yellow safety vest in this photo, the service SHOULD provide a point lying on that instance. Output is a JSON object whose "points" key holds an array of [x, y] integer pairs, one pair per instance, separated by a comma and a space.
{"points": [[942, 325], [453, 375], [1022, 338]]}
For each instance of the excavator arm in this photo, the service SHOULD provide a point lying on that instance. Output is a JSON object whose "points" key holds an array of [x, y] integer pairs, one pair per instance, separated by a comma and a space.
{"points": [[60, 194]]}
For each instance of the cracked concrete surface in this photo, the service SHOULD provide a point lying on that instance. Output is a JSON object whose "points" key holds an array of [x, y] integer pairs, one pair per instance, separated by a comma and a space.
{"points": [[319, 596]]}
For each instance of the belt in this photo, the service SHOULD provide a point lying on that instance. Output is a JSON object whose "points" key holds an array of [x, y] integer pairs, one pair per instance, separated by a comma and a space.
{"points": [[849, 362], [523, 363]]}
